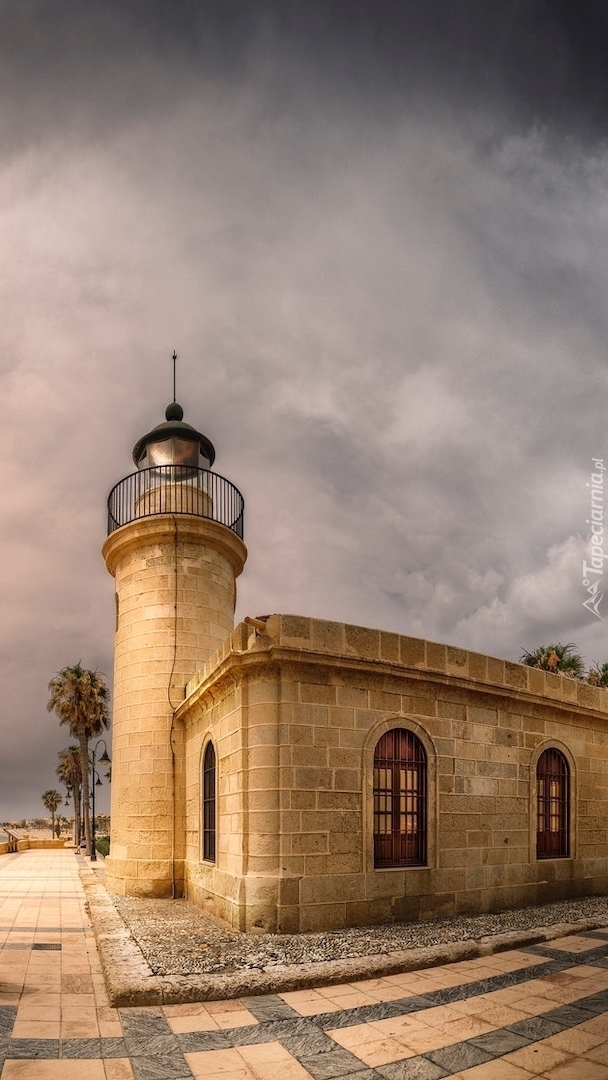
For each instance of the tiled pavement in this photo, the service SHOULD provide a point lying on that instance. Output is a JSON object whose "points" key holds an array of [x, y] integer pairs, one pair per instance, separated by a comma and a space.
{"points": [[541, 1011]]}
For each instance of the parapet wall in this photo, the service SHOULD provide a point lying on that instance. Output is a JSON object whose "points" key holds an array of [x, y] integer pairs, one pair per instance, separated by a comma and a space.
{"points": [[358, 642], [27, 844]]}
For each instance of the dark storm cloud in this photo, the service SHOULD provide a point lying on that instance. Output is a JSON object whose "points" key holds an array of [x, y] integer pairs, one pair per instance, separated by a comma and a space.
{"points": [[377, 235], [540, 61]]}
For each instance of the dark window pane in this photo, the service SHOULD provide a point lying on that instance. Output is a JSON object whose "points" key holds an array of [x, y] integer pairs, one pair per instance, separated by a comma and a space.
{"points": [[553, 806], [209, 804], [399, 800]]}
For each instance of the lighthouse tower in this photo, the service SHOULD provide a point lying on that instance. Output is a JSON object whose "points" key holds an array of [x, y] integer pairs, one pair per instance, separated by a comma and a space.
{"points": [[175, 548]]}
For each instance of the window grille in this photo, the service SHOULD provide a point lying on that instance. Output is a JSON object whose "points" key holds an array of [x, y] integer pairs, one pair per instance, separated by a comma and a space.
{"points": [[400, 785], [553, 806], [209, 828]]}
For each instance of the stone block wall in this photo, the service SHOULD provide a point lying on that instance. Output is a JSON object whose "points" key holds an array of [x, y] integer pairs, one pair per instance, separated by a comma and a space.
{"points": [[295, 714], [175, 596]]}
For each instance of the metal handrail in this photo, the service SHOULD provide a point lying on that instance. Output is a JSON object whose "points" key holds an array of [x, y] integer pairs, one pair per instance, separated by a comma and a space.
{"points": [[176, 489], [13, 838]]}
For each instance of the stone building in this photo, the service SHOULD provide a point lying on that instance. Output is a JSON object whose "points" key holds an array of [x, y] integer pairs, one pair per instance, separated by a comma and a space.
{"points": [[297, 774]]}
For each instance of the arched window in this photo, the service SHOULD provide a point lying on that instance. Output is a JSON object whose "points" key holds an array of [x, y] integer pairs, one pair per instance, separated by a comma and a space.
{"points": [[553, 806], [399, 800], [209, 827]]}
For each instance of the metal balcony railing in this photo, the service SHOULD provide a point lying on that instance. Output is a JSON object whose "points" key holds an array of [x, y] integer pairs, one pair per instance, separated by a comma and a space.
{"points": [[176, 489]]}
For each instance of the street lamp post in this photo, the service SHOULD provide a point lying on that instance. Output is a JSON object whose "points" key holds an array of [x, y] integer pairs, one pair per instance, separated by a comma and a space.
{"points": [[96, 782], [67, 803]]}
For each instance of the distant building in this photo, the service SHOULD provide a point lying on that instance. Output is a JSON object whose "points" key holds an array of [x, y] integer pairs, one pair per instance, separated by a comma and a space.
{"points": [[296, 774]]}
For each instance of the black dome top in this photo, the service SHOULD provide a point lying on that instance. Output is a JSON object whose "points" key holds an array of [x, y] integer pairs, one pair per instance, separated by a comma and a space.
{"points": [[174, 427], [174, 411]]}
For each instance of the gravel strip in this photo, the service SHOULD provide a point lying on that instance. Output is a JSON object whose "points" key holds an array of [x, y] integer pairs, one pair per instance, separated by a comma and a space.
{"points": [[133, 934], [177, 939]]}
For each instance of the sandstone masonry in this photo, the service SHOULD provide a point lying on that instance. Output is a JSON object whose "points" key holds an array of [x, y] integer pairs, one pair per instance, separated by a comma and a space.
{"points": [[295, 714]]}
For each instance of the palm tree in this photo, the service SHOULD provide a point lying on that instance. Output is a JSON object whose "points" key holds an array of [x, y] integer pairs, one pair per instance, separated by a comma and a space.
{"points": [[598, 674], [70, 775], [80, 699], [52, 799], [558, 658]]}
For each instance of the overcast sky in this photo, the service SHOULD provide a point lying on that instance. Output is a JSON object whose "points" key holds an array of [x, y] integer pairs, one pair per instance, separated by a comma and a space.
{"points": [[377, 235]]}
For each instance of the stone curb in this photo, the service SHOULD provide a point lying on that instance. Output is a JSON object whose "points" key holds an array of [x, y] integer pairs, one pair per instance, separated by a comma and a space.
{"points": [[130, 980]]}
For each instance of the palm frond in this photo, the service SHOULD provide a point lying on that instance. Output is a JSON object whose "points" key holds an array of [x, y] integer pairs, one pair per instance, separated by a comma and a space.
{"points": [[557, 658]]}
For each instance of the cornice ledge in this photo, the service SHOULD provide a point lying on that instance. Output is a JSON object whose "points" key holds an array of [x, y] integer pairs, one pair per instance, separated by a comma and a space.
{"points": [[231, 669], [239, 664], [287, 653]]}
